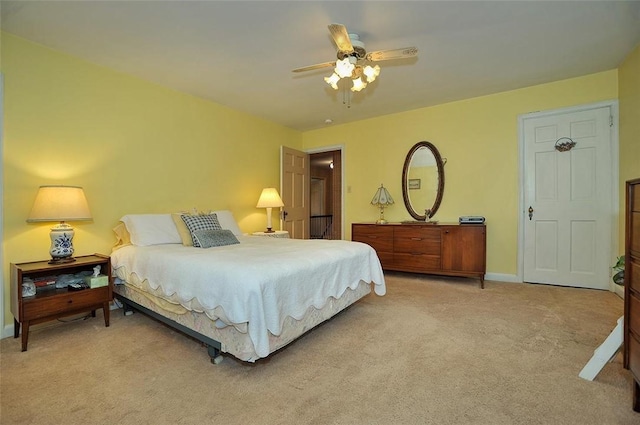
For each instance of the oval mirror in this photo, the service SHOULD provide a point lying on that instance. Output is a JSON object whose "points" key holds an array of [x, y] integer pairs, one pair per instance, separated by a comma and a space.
{"points": [[423, 181]]}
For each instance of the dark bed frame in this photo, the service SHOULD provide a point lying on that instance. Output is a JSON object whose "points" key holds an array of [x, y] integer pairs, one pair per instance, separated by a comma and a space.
{"points": [[214, 348]]}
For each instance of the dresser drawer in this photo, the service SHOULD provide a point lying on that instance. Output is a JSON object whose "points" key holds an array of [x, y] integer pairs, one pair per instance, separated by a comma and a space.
{"points": [[386, 259], [417, 262], [635, 233], [633, 271], [635, 204], [379, 237], [634, 356], [70, 301], [415, 241], [634, 314]]}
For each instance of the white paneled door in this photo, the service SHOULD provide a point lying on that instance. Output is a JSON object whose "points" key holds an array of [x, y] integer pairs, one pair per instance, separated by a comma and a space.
{"points": [[568, 197], [295, 184]]}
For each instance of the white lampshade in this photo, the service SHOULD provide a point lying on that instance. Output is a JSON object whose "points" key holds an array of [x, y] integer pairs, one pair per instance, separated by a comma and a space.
{"points": [[358, 84], [333, 80], [269, 198], [381, 199], [371, 72], [345, 67], [60, 203]]}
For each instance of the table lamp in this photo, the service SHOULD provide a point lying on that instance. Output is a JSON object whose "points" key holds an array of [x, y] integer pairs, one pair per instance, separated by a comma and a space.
{"points": [[269, 199], [60, 203], [382, 199]]}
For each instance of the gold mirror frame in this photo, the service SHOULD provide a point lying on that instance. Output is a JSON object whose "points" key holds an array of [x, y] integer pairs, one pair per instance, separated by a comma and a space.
{"points": [[405, 182]]}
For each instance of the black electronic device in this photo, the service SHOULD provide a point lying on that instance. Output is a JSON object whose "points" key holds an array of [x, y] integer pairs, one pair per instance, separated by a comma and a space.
{"points": [[77, 286], [471, 219]]}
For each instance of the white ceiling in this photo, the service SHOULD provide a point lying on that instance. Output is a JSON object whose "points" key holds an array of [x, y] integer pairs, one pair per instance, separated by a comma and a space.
{"points": [[241, 53]]}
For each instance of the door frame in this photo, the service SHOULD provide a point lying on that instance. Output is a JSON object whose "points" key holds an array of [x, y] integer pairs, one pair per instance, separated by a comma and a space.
{"points": [[342, 167], [615, 178], [4, 330]]}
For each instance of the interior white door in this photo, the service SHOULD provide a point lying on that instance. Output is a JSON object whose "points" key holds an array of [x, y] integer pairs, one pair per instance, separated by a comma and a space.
{"points": [[568, 198], [295, 184]]}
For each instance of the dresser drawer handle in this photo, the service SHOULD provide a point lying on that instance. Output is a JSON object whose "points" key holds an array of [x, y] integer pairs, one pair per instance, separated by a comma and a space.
{"points": [[373, 237], [69, 301], [416, 239]]}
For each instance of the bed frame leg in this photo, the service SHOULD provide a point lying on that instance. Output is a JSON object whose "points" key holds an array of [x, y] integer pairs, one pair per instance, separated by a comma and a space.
{"points": [[126, 309], [215, 354]]}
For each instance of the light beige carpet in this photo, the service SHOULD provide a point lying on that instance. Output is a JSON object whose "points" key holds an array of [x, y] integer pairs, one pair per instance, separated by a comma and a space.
{"points": [[432, 351]]}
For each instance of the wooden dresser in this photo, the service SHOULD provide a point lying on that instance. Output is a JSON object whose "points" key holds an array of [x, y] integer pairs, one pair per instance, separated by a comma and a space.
{"points": [[632, 288], [447, 249]]}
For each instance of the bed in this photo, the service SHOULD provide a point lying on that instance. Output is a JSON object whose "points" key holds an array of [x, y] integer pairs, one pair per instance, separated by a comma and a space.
{"points": [[248, 297]]}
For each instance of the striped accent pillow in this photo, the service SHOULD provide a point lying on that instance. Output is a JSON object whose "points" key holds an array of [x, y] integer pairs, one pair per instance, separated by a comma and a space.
{"points": [[209, 238]]}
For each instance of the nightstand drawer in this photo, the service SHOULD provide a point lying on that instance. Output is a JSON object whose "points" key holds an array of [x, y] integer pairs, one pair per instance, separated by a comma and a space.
{"points": [[61, 302]]}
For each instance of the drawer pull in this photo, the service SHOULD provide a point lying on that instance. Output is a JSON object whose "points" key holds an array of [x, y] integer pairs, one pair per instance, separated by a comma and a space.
{"points": [[69, 302], [416, 239], [373, 237]]}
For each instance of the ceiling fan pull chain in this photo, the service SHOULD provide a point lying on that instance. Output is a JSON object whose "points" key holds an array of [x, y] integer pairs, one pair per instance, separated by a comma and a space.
{"points": [[346, 96]]}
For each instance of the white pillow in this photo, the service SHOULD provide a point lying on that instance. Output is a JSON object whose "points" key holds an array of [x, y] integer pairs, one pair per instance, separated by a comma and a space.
{"points": [[151, 229], [227, 222]]}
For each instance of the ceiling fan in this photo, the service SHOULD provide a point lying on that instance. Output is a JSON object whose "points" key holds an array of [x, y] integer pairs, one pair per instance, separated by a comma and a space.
{"points": [[353, 59]]}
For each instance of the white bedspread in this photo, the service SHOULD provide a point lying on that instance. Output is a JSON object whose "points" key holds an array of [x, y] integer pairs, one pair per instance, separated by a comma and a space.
{"points": [[258, 282]]}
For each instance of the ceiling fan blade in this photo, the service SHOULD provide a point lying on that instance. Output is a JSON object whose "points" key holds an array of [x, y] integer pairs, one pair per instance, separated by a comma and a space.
{"points": [[316, 66], [383, 55], [341, 37]]}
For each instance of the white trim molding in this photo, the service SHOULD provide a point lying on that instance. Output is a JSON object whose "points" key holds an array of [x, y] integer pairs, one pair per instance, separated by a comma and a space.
{"points": [[502, 277]]}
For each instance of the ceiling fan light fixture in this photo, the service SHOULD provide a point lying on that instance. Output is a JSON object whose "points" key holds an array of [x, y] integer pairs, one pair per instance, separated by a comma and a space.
{"points": [[358, 84], [333, 80], [345, 67], [371, 72], [353, 59]]}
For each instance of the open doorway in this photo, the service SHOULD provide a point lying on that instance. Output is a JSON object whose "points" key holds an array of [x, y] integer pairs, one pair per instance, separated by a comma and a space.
{"points": [[325, 221]]}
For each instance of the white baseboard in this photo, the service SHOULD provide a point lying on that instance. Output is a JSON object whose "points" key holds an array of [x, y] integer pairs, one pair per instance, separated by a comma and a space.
{"points": [[501, 277], [7, 331]]}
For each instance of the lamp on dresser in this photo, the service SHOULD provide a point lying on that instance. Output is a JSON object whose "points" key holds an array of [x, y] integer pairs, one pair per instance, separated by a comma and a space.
{"points": [[382, 199], [269, 198], [61, 204]]}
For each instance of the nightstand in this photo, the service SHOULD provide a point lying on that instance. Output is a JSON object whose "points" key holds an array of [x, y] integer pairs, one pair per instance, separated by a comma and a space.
{"points": [[275, 234], [50, 303]]}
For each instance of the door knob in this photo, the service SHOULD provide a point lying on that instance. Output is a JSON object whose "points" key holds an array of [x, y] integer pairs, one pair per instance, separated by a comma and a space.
{"points": [[530, 212]]}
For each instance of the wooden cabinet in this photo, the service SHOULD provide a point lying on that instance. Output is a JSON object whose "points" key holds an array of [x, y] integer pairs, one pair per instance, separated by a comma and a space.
{"points": [[50, 303], [446, 249], [632, 288]]}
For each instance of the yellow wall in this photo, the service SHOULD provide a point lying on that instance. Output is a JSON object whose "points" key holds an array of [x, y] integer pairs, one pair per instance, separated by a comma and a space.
{"points": [[138, 147], [134, 146], [479, 138], [629, 98]]}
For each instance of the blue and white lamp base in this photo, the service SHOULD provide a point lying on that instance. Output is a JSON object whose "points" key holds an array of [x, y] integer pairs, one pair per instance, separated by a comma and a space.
{"points": [[61, 244]]}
